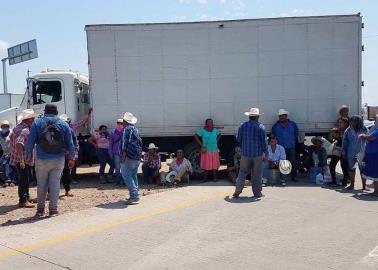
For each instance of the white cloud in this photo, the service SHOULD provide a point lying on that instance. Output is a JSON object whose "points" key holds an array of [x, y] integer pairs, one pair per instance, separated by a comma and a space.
{"points": [[222, 2], [3, 47], [299, 12]]}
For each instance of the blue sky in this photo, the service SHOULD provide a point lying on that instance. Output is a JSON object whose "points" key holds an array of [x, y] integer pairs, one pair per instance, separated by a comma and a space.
{"points": [[58, 27]]}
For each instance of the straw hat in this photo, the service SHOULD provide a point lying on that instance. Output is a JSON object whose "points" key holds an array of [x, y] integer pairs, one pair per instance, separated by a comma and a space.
{"points": [[152, 146], [27, 114], [342, 108], [4, 123], [170, 178], [253, 112], [64, 117], [285, 167], [282, 112], [130, 118], [120, 120]]}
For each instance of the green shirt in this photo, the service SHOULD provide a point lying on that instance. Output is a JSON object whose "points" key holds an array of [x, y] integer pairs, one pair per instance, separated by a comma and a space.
{"points": [[209, 139]]}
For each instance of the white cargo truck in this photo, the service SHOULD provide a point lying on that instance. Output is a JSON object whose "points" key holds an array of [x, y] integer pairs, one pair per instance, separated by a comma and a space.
{"points": [[173, 76]]}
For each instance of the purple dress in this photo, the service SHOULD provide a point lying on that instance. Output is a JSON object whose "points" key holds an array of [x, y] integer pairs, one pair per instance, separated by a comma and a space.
{"points": [[370, 169]]}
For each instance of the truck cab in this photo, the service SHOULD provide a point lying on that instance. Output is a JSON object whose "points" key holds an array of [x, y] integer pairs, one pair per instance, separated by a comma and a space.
{"points": [[68, 90]]}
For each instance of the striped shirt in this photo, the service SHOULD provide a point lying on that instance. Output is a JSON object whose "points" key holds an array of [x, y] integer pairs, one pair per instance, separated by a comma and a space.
{"points": [[252, 139]]}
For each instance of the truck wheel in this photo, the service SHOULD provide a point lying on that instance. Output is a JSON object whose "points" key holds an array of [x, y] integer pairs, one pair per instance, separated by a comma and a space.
{"points": [[192, 153]]}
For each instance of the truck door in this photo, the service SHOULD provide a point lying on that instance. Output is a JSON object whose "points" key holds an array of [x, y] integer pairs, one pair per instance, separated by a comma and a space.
{"points": [[83, 104]]}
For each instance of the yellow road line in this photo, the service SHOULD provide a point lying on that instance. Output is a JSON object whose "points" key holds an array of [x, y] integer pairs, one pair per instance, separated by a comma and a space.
{"points": [[102, 227]]}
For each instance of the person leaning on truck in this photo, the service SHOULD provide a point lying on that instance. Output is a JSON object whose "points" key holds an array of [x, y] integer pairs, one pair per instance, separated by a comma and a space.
{"points": [[131, 153], [18, 139], [53, 139], [254, 150], [286, 132]]}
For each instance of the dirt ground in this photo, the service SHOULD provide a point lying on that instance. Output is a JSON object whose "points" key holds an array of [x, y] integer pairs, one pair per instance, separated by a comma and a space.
{"points": [[87, 193]]}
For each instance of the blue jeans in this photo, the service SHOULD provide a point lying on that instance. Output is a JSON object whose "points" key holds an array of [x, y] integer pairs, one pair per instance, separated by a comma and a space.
{"points": [[129, 170], [5, 167], [117, 166], [103, 158]]}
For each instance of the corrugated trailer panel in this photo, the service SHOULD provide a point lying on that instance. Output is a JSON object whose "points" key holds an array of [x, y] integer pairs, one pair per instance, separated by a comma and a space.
{"points": [[173, 76]]}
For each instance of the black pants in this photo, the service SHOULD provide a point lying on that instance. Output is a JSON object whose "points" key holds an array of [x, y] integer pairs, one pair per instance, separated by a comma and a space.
{"points": [[23, 176], [66, 177], [344, 168], [292, 157]]}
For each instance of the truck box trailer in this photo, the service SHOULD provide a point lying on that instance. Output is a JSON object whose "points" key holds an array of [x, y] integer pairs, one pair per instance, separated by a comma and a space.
{"points": [[173, 76]]}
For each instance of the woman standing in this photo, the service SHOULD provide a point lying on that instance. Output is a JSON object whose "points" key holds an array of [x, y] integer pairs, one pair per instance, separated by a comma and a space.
{"points": [[114, 144], [351, 146], [101, 143], [336, 137], [209, 148], [370, 168]]}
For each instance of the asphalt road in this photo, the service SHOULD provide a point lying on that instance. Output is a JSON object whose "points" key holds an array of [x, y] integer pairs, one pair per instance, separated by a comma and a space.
{"points": [[199, 227]]}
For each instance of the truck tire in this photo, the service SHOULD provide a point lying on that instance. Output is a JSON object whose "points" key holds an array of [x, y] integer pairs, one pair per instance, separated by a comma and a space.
{"points": [[192, 153]]}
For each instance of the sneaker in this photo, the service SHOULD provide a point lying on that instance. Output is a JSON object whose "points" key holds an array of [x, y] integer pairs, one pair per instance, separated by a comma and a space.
{"points": [[236, 194], [68, 194], [53, 213], [259, 195], [40, 213], [132, 201], [26, 205], [283, 183]]}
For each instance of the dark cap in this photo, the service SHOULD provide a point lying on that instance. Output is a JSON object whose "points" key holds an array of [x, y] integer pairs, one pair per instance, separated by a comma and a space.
{"points": [[51, 109]]}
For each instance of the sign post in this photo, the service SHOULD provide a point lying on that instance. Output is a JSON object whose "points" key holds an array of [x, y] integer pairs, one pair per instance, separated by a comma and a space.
{"points": [[18, 54]]}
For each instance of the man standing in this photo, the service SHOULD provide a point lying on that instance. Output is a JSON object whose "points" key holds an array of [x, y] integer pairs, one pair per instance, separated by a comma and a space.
{"points": [[53, 139], [18, 139], [5, 134], [286, 132], [131, 153], [252, 140]]}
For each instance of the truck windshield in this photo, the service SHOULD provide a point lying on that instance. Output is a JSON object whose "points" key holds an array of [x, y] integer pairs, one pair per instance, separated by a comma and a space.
{"points": [[47, 92]]}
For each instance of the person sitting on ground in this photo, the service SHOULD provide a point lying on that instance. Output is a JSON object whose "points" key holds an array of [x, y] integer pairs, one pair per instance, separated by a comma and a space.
{"points": [[5, 134], [66, 175], [233, 164], [151, 165], [101, 142], [276, 153], [317, 160], [180, 166]]}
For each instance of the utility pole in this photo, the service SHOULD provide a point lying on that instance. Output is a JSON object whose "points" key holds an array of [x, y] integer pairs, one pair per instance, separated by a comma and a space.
{"points": [[5, 85]]}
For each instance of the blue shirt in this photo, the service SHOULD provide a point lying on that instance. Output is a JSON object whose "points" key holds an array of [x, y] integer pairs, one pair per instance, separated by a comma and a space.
{"points": [[252, 139], [131, 142], [278, 155], [372, 146], [37, 128], [286, 135]]}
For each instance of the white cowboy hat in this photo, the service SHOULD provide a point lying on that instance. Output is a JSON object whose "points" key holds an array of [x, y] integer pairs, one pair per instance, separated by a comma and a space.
{"points": [[170, 178], [152, 146], [253, 112], [27, 114], [285, 167], [64, 117], [130, 118], [282, 112], [120, 120], [5, 123]]}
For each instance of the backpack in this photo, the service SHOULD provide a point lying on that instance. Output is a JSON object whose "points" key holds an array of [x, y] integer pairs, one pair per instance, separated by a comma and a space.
{"points": [[134, 147], [51, 139]]}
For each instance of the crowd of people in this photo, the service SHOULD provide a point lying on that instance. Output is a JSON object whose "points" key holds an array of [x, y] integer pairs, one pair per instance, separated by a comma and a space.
{"points": [[45, 148]]}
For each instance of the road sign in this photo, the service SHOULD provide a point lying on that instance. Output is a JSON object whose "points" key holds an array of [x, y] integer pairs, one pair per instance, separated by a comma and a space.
{"points": [[22, 52]]}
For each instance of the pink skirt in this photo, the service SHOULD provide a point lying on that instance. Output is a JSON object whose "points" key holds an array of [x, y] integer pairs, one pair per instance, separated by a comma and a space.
{"points": [[210, 161]]}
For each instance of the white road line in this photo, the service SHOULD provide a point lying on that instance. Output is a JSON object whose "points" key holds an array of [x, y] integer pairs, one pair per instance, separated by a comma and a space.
{"points": [[372, 258]]}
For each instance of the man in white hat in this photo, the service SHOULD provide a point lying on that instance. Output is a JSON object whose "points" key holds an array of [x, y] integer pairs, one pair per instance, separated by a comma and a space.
{"points": [[151, 165], [131, 153], [252, 140], [5, 134], [53, 140], [286, 132], [23, 165]]}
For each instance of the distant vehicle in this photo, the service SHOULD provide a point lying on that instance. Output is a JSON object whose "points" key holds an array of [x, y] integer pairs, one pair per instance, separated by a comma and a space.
{"points": [[173, 76]]}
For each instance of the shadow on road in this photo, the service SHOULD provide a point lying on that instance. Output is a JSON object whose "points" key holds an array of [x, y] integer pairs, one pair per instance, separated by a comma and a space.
{"points": [[242, 199], [366, 197], [114, 205], [23, 221], [7, 208]]}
